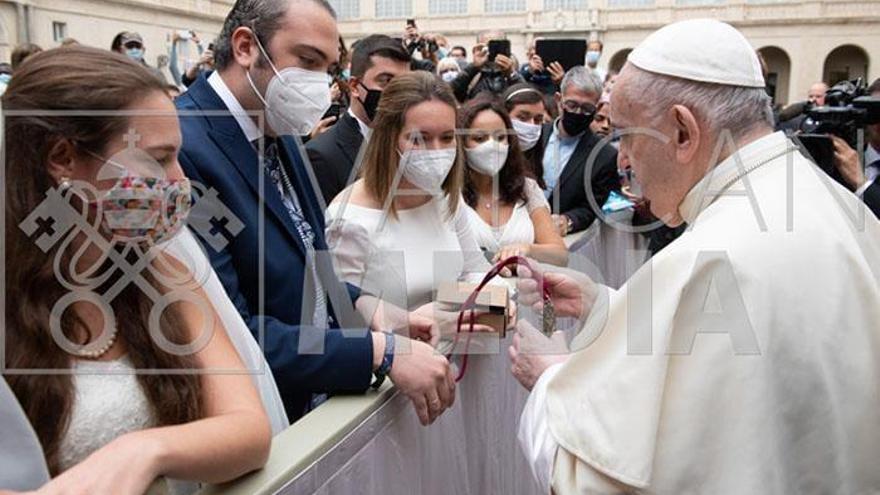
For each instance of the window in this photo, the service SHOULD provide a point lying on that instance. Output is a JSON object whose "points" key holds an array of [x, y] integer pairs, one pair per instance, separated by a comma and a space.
{"points": [[565, 4], [59, 31], [437, 7], [393, 8], [505, 5], [699, 2], [346, 9], [630, 3]]}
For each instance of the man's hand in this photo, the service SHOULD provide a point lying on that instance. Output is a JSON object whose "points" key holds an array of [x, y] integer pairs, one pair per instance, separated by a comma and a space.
{"points": [[504, 64], [424, 376], [570, 296], [532, 353], [556, 72], [322, 127], [536, 65], [846, 160], [480, 55], [561, 223]]}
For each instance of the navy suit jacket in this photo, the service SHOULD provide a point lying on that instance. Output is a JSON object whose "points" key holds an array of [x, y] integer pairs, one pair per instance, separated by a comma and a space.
{"points": [[217, 155]]}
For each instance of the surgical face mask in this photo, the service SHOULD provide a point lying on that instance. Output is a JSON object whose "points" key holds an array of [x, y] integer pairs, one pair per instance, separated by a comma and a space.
{"points": [[449, 75], [593, 57], [136, 54], [427, 169], [528, 133], [488, 157], [295, 99], [442, 53], [5, 78]]}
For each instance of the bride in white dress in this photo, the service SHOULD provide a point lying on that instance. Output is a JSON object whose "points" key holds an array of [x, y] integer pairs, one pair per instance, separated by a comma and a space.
{"points": [[401, 229]]}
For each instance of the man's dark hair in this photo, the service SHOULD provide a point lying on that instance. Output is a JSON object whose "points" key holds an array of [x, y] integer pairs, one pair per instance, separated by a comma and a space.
{"points": [[459, 47], [874, 87], [263, 16], [377, 45]]}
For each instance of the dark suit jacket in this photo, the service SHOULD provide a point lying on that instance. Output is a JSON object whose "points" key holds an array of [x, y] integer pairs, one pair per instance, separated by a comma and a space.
{"points": [[871, 197], [572, 184], [333, 153], [216, 154]]}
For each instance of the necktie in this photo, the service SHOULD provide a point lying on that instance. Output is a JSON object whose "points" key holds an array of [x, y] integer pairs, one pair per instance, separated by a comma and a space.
{"points": [[279, 178]]}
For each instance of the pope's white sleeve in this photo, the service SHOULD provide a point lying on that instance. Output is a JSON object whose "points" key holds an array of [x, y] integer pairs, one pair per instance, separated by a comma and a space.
{"points": [[540, 449], [535, 438]]}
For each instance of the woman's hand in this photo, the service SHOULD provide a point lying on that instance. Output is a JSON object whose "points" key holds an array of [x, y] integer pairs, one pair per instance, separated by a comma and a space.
{"points": [[322, 127], [508, 251], [127, 465]]}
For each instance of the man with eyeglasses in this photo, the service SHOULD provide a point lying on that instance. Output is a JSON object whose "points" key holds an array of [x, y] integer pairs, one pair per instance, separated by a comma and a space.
{"points": [[568, 150]]}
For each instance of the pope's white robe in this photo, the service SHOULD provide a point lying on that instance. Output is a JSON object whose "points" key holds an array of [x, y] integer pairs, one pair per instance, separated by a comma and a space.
{"points": [[787, 401]]}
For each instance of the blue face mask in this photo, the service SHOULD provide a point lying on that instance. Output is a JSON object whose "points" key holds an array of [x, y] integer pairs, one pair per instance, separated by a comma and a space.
{"points": [[5, 78], [136, 54], [442, 53], [346, 74], [592, 57]]}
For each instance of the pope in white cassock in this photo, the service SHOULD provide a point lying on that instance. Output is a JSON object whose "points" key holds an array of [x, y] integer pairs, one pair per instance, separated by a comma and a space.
{"points": [[744, 358]]}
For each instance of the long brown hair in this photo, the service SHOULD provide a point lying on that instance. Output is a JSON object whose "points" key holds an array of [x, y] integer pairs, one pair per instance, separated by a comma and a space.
{"points": [[381, 159], [512, 177], [71, 79]]}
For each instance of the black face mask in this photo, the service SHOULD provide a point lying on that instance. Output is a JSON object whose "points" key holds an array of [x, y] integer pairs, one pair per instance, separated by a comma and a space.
{"points": [[576, 123], [371, 101]]}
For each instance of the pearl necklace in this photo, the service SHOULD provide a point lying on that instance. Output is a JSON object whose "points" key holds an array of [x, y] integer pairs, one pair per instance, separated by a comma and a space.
{"points": [[94, 354]]}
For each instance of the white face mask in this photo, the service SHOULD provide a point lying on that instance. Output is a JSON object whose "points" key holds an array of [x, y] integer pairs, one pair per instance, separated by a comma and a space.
{"points": [[449, 76], [427, 169], [487, 157], [295, 100], [528, 134]]}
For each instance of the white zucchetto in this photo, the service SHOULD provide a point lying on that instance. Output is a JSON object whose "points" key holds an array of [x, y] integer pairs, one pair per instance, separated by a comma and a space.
{"points": [[702, 50]]}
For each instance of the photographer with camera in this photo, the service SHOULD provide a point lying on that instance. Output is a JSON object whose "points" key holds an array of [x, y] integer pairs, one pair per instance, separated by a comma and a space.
{"points": [[422, 49], [846, 161], [493, 72]]}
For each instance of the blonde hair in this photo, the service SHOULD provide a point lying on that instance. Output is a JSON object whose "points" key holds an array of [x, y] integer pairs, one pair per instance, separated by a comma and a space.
{"points": [[381, 160]]}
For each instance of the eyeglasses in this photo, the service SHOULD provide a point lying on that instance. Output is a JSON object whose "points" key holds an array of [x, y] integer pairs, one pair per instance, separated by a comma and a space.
{"points": [[572, 106]]}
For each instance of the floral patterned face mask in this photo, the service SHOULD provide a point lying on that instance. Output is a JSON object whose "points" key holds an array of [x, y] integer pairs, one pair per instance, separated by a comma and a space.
{"points": [[144, 209]]}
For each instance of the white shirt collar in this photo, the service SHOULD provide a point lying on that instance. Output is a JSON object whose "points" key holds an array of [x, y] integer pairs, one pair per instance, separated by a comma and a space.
{"points": [[250, 129], [732, 169], [365, 129]]}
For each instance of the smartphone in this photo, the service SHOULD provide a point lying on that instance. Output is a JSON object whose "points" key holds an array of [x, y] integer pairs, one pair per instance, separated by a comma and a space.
{"points": [[498, 47], [411, 22], [568, 52], [211, 46]]}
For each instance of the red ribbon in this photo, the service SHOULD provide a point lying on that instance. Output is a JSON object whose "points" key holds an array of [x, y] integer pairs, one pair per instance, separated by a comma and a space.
{"points": [[470, 303]]}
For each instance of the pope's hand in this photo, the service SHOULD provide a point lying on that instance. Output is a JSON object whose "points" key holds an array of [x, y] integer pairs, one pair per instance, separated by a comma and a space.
{"points": [[571, 295], [532, 353]]}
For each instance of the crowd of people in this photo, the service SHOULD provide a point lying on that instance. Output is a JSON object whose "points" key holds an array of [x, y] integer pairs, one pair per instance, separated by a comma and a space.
{"points": [[308, 198]]}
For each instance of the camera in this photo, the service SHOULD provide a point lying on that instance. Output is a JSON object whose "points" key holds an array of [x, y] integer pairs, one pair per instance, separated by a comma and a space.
{"points": [[847, 110]]}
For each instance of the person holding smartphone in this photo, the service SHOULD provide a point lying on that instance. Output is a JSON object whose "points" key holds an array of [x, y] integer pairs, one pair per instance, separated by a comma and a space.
{"points": [[493, 69]]}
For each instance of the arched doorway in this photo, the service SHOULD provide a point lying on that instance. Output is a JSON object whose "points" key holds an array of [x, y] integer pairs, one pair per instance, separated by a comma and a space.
{"points": [[845, 63], [618, 59], [778, 73]]}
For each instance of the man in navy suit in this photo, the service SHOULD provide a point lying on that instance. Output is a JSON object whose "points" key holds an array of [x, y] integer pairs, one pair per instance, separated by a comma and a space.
{"points": [[266, 258]]}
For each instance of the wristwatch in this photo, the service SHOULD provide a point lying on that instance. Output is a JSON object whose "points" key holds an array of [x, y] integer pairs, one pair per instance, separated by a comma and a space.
{"points": [[387, 361]]}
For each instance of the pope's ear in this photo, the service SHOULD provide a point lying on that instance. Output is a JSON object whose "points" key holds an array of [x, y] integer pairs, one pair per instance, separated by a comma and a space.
{"points": [[686, 133]]}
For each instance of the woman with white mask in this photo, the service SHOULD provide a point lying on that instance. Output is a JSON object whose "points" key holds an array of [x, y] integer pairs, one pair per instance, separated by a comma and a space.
{"points": [[525, 106], [509, 213], [400, 229]]}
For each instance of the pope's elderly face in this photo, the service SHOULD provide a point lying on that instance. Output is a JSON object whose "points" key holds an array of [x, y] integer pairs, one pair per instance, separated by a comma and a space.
{"points": [[663, 157], [645, 147]]}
